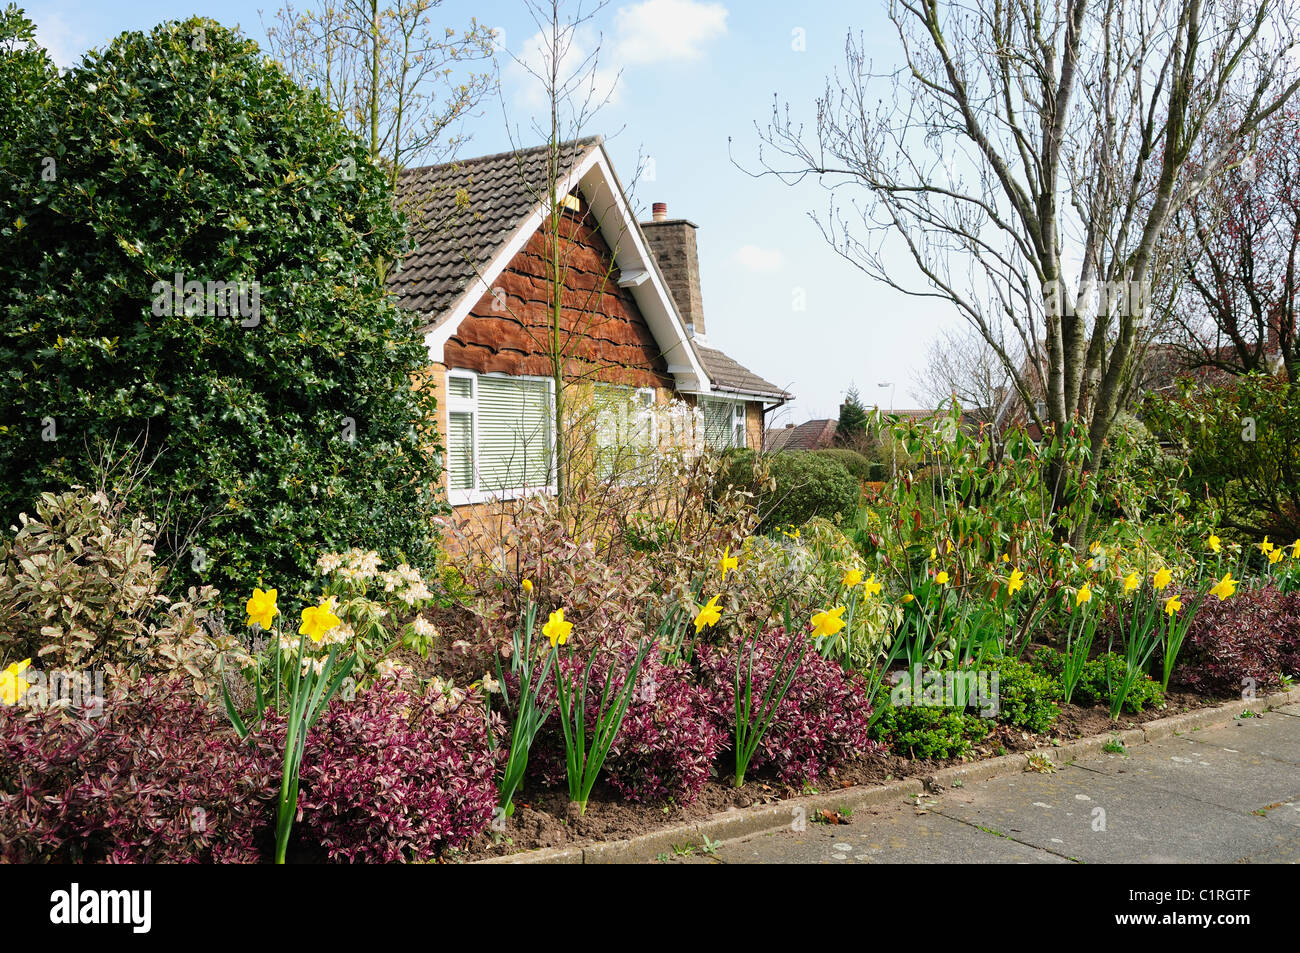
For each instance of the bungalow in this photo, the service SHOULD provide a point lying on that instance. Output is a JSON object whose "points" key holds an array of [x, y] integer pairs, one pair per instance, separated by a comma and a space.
{"points": [[631, 322]]}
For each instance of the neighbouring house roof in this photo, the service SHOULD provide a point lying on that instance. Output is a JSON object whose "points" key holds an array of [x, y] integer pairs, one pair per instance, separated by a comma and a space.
{"points": [[810, 435], [470, 217]]}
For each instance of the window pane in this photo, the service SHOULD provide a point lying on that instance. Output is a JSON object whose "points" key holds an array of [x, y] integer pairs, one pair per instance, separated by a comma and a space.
{"points": [[460, 387], [460, 451], [514, 432]]}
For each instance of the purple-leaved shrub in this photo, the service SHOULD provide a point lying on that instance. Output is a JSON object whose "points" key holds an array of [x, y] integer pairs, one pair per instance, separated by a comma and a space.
{"points": [[820, 724], [393, 776], [1245, 642], [160, 777]]}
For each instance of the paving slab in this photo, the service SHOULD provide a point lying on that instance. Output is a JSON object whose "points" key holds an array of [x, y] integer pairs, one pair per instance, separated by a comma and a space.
{"points": [[1273, 735], [898, 834], [1227, 767], [1098, 817]]}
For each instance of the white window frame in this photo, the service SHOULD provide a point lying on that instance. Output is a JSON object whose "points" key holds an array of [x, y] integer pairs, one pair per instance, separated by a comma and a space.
{"points": [[469, 405], [736, 417]]}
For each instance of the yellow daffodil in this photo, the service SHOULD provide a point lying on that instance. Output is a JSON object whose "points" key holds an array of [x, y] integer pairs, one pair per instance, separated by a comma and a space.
{"points": [[1225, 587], [709, 614], [261, 608], [1295, 549], [1162, 578], [851, 578], [527, 586], [317, 620], [1214, 543], [12, 684], [556, 628], [1016, 582], [1083, 595], [934, 553], [1275, 556], [871, 588], [951, 547], [1266, 547], [942, 578], [1006, 557], [1131, 582], [828, 622], [1095, 548], [908, 598], [1173, 605], [727, 561]]}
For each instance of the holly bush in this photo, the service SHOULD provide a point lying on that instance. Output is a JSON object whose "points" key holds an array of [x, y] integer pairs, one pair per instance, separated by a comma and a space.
{"points": [[276, 394]]}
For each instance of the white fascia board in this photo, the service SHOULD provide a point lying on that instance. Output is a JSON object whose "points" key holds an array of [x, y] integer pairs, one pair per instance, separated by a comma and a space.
{"points": [[618, 224]]}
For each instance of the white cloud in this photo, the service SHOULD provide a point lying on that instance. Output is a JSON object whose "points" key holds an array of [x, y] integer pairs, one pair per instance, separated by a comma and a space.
{"points": [[656, 31], [580, 76], [62, 39], [758, 259]]}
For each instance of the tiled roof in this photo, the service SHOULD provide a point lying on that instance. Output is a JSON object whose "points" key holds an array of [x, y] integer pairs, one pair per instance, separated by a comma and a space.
{"points": [[729, 375], [810, 435], [461, 213]]}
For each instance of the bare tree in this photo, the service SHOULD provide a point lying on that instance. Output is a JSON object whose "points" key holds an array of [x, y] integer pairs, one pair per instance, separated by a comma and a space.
{"points": [[962, 366], [398, 81], [1028, 159], [1236, 305], [563, 59]]}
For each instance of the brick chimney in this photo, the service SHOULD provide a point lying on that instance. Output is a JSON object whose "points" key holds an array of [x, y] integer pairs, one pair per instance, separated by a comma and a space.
{"points": [[673, 242]]}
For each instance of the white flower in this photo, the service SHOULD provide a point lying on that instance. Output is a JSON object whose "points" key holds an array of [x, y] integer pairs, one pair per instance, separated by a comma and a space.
{"points": [[314, 665], [491, 685], [328, 563], [416, 592], [424, 628], [388, 668]]}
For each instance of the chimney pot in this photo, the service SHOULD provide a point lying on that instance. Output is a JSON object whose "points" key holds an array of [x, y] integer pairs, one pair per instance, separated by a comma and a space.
{"points": [[659, 212]]}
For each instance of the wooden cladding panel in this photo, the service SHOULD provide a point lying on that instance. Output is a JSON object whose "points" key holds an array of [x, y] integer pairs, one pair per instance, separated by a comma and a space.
{"points": [[602, 331]]}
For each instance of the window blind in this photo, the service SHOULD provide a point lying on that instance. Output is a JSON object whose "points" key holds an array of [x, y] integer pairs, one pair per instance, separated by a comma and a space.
{"points": [[514, 433]]}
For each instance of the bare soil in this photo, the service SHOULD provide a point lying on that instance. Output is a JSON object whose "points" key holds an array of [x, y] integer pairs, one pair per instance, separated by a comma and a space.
{"points": [[543, 817]]}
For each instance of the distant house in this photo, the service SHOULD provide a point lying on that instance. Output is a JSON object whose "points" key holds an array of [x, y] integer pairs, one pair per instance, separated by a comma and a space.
{"points": [[632, 313], [809, 435], [820, 434]]}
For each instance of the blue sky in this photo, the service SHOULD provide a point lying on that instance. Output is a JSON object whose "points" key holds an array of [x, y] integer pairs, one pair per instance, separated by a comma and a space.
{"points": [[693, 74]]}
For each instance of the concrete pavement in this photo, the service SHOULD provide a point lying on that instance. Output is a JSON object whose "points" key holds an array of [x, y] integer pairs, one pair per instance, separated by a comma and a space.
{"points": [[1229, 794]]}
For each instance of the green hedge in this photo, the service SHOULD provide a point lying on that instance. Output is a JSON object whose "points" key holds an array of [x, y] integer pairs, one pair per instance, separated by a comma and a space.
{"points": [[851, 460], [807, 486]]}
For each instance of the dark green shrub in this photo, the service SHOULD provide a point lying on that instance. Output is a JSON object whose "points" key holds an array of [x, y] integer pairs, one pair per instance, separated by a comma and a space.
{"points": [[806, 486], [1241, 441], [851, 460], [283, 415], [1099, 674], [928, 731], [1026, 698]]}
